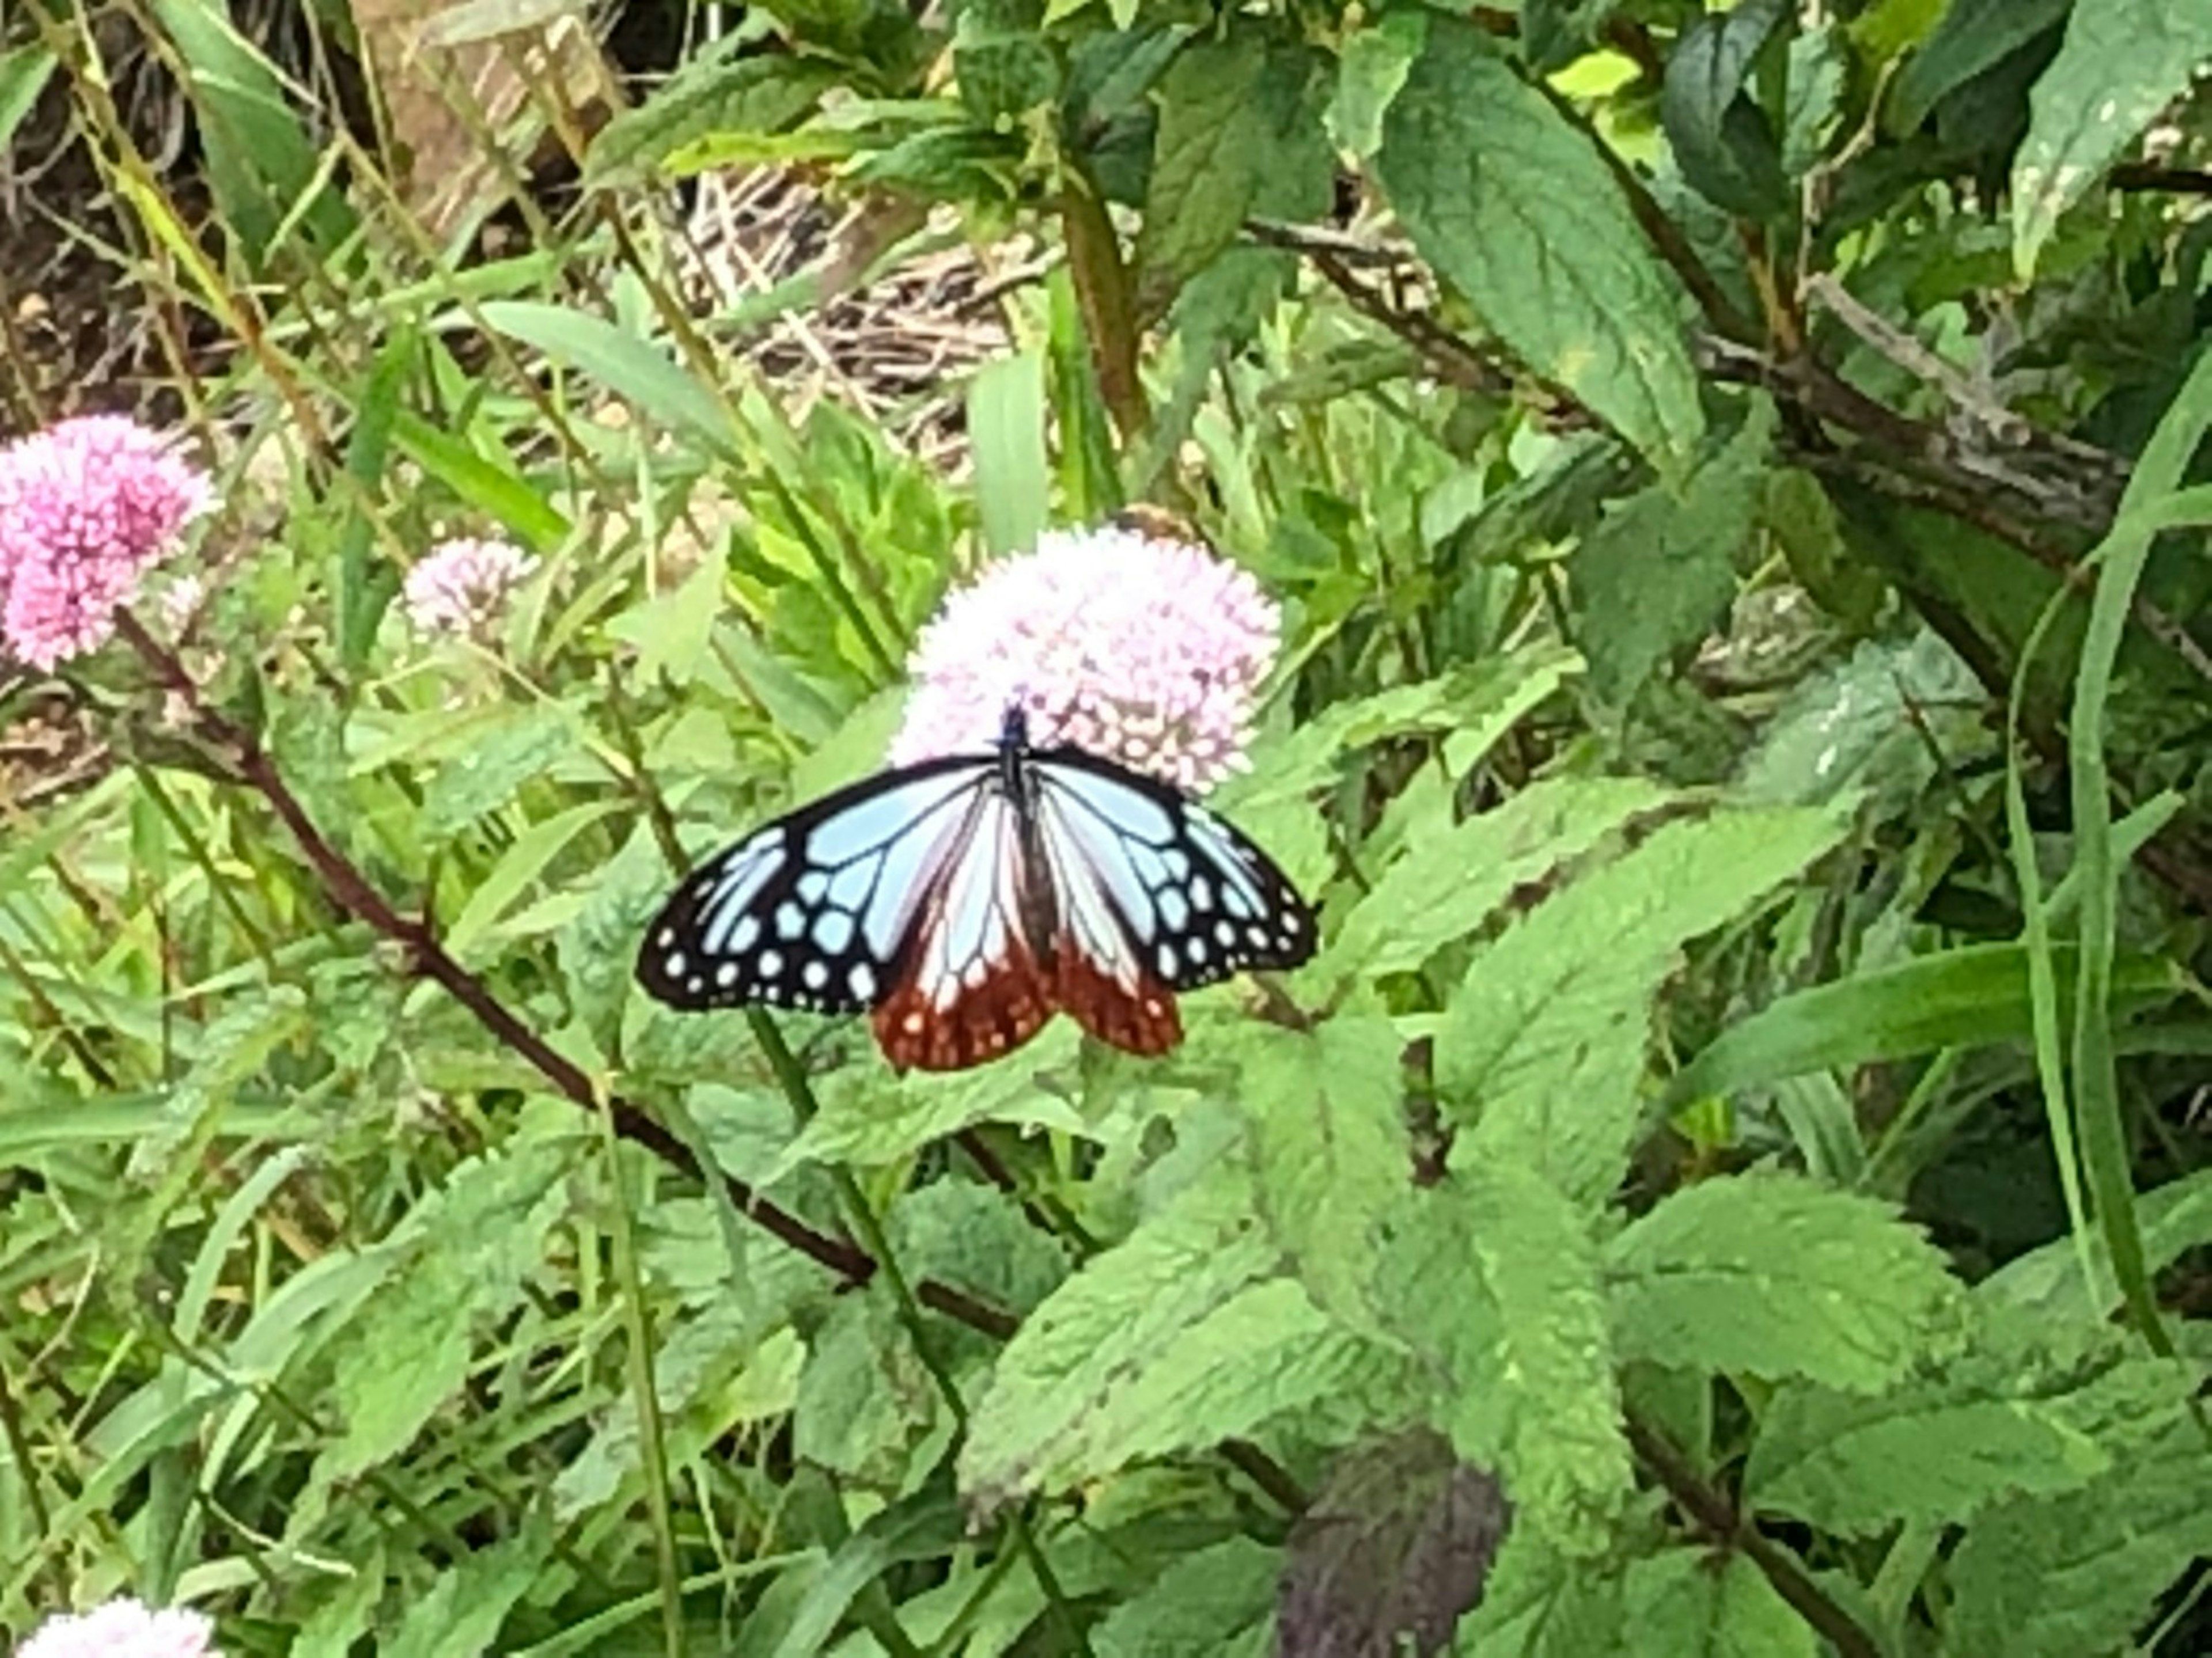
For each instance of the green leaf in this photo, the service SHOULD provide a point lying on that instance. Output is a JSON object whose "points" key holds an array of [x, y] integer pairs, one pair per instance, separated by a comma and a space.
{"points": [[1543, 1603], [1937, 1452], [1687, 1604], [923, 1527], [868, 1408], [1660, 568], [1396, 1544], [870, 1119], [1974, 996], [1515, 207], [2080, 1572], [1861, 722], [1554, 33], [1330, 1153], [2175, 1218], [1179, 1336], [671, 631], [468, 1248], [1470, 708], [634, 369], [1972, 38], [1772, 1275], [1819, 64], [1006, 429], [24, 72], [1446, 886], [713, 95], [461, 1614], [520, 745], [1721, 137], [1239, 134], [2122, 61], [1219, 1600], [1370, 71], [1493, 1279], [1542, 1048]]}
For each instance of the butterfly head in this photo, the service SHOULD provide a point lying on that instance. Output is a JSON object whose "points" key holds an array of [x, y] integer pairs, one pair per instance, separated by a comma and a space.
{"points": [[1014, 726]]}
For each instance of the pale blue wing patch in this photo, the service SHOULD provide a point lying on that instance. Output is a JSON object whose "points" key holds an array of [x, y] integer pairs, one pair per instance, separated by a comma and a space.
{"points": [[1149, 882], [812, 911]]}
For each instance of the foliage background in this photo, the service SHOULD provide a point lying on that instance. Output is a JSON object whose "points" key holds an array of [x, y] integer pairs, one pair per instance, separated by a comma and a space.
{"points": [[1734, 1180]]}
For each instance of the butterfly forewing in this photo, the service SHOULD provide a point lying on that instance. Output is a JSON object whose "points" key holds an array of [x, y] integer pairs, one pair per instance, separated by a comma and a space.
{"points": [[811, 910]]}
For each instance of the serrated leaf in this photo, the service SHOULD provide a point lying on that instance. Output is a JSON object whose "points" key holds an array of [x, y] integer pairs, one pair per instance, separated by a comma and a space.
{"points": [[486, 776], [1660, 569], [461, 1614], [1541, 1050], [1491, 1277], [871, 1119], [867, 1403], [1238, 134], [1471, 708], [1774, 1276], [2080, 1573], [1541, 1603], [1179, 1336], [1516, 209], [974, 1238], [1446, 886], [1687, 1604], [2122, 61], [1937, 1452], [1217, 1603], [1330, 1153], [1396, 1545], [1720, 138], [469, 1249], [715, 95]]}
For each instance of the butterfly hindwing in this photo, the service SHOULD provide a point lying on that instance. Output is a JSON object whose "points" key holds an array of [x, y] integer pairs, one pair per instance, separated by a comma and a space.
{"points": [[811, 911]]}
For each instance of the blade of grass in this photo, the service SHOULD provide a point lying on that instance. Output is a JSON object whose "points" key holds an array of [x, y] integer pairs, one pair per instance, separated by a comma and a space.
{"points": [[1006, 428], [2121, 560]]}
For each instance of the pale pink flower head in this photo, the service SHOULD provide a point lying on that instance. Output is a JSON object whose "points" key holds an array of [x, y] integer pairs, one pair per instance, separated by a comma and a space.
{"points": [[1140, 648], [87, 506], [460, 588], [122, 1629]]}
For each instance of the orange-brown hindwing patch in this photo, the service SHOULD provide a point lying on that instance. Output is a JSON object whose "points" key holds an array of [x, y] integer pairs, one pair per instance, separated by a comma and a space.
{"points": [[1143, 1021]]}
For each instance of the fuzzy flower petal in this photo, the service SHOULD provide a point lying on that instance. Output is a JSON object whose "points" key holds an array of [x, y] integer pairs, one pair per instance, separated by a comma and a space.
{"points": [[460, 588], [1139, 648], [122, 1629], [86, 508]]}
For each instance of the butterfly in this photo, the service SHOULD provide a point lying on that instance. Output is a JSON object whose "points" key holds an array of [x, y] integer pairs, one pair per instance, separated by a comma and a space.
{"points": [[965, 900]]}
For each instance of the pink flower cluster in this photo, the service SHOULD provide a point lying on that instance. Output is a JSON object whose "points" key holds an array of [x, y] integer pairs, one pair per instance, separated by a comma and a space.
{"points": [[87, 506], [122, 1629], [1142, 649], [460, 588]]}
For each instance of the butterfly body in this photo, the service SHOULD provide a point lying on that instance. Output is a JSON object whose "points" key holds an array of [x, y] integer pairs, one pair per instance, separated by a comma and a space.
{"points": [[963, 901]]}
